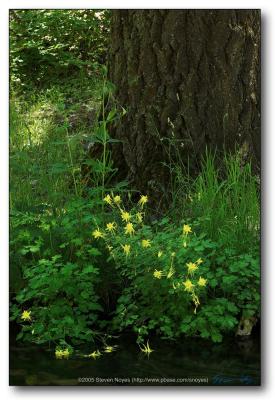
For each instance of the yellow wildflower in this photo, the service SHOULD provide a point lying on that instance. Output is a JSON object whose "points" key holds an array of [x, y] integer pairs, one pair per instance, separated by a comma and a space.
{"points": [[95, 354], [125, 216], [139, 217], [158, 274], [109, 349], [196, 301], [160, 254], [108, 199], [26, 315], [126, 249], [129, 228], [186, 229], [117, 199], [111, 227], [66, 353], [143, 200], [202, 281], [171, 272], [59, 353], [192, 267], [199, 261], [97, 234], [188, 285], [145, 243], [146, 349]]}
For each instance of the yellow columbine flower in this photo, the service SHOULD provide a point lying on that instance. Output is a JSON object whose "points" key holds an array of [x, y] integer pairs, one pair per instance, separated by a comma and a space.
{"points": [[160, 254], [186, 229], [202, 281], [108, 199], [188, 285], [143, 200], [158, 274], [59, 353], [139, 217], [145, 243], [129, 229], [97, 234], [111, 227], [170, 273], [146, 349], [192, 267], [109, 349], [199, 261], [125, 216], [62, 353], [126, 249], [26, 315], [196, 301], [117, 199], [95, 354], [66, 353]]}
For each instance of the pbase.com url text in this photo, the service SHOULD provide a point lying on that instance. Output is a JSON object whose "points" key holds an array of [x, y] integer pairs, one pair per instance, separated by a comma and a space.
{"points": [[144, 380]]}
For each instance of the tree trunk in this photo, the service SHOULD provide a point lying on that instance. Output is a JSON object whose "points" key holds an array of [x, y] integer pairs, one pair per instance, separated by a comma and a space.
{"points": [[191, 76]]}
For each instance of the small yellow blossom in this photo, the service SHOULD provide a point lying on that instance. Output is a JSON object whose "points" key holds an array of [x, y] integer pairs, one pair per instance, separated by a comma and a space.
{"points": [[192, 267], [66, 353], [170, 273], [196, 301], [62, 353], [129, 229], [186, 229], [126, 249], [109, 349], [26, 315], [199, 261], [95, 354], [139, 217], [202, 281], [160, 254], [117, 199], [146, 349], [158, 274], [125, 216], [108, 199], [184, 244], [97, 234], [111, 227], [143, 200], [59, 353], [188, 285], [145, 243]]}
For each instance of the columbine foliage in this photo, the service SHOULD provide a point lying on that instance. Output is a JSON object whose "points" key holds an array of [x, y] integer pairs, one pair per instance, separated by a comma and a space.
{"points": [[59, 274], [176, 280]]}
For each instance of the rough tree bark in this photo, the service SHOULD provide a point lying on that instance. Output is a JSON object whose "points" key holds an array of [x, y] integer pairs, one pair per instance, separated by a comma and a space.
{"points": [[191, 75]]}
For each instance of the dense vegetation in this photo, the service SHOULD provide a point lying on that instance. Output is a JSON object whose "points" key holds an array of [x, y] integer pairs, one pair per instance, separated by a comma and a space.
{"points": [[90, 257]]}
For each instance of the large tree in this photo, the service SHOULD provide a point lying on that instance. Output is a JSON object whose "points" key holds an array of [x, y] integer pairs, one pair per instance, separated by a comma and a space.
{"points": [[188, 75]]}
